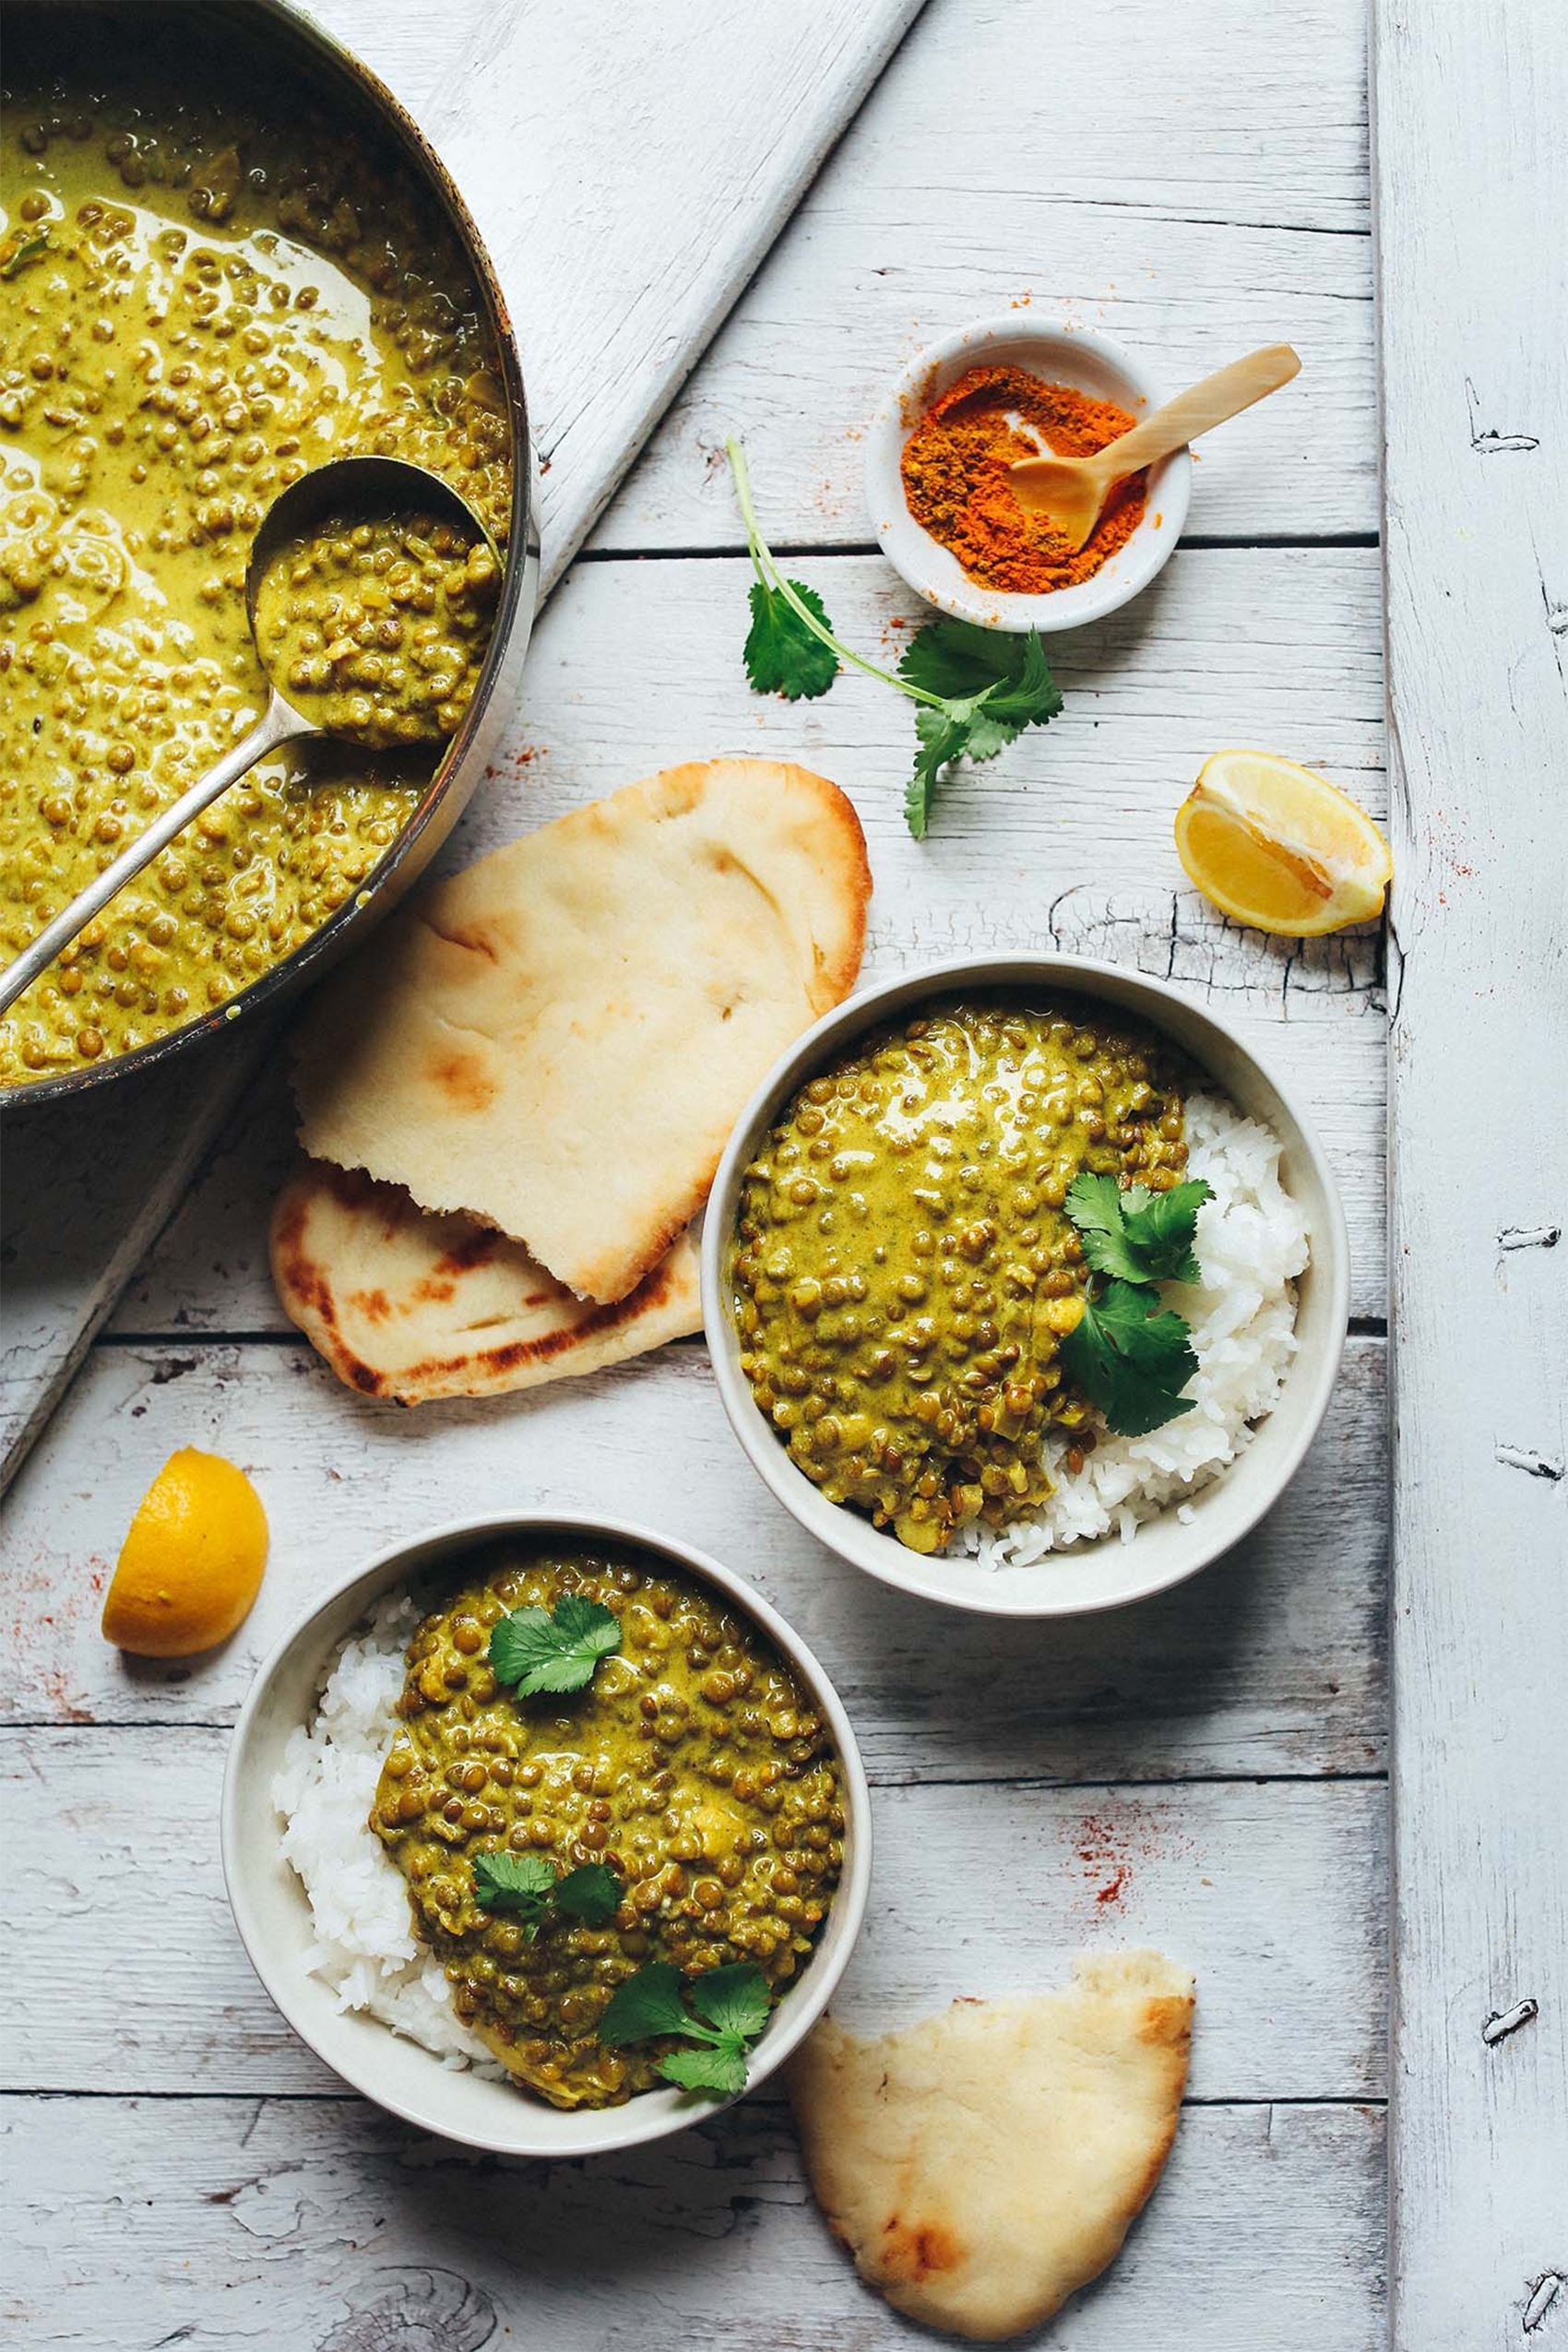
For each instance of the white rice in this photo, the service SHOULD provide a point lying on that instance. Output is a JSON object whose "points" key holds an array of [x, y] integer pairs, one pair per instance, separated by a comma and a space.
{"points": [[1250, 1243], [364, 1947]]}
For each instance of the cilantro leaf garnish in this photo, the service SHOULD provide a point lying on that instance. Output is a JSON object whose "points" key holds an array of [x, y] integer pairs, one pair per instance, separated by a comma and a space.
{"points": [[556, 1650], [1138, 1235], [1131, 1358], [720, 2071], [590, 1892], [733, 2001], [518, 1885], [525, 1887], [783, 655], [1161, 1226], [646, 2005], [978, 689]]}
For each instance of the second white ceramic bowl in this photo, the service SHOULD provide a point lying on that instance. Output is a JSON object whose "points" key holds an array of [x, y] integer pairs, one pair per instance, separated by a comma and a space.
{"points": [[1061, 355], [1166, 1549], [273, 1915]]}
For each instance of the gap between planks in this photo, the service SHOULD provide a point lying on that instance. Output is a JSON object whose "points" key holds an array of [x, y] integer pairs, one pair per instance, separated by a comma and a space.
{"points": [[1020, 1784], [817, 550], [761, 2097]]}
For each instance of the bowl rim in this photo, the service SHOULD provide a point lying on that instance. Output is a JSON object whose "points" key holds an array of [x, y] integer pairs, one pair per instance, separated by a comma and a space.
{"points": [[932, 570], [651, 2115], [849, 1534]]}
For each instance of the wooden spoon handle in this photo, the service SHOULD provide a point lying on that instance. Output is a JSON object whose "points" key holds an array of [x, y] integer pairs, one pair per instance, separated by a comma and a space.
{"points": [[1224, 394]]}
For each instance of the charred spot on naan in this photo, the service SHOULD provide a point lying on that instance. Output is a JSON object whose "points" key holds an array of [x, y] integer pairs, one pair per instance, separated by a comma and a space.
{"points": [[408, 1305], [464, 1078], [910, 2252], [1168, 2017]]}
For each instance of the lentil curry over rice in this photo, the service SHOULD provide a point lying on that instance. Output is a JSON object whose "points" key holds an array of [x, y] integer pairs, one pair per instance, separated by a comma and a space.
{"points": [[205, 289], [693, 1766], [903, 1272]]}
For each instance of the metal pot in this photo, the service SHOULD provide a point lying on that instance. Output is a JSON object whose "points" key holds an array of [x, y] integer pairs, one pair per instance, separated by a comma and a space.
{"points": [[311, 51]]}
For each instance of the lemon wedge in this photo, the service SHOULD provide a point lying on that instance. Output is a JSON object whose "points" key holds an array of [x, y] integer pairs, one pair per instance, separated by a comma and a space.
{"points": [[192, 1563], [1280, 848]]}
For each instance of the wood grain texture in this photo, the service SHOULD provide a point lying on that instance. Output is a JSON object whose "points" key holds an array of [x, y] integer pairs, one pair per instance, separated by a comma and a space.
{"points": [[623, 214], [328, 2227], [627, 195], [1269, 1662], [1065, 842], [1209, 200], [67, 1243], [1476, 437], [1271, 1892]]}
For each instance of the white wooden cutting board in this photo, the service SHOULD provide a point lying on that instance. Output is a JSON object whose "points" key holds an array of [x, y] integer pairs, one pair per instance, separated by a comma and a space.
{"points": [[625, 209]]}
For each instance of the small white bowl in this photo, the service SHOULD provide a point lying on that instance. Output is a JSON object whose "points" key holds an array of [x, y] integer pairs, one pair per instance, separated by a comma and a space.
{"points": [[273, 1913], [1060, 355], [1166, 1551]]}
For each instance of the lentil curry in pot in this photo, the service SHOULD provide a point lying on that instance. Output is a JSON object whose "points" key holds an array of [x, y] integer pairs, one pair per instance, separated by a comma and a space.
{"points": [[209, 282], [903, 1272], [693, 1766]]}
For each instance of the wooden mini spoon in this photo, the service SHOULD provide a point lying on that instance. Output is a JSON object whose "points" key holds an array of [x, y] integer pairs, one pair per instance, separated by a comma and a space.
{"points": [[1072, 490]]}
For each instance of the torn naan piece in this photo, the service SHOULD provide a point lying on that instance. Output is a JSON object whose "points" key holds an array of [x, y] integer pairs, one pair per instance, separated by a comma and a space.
{"points": [[559, 1040], [408, 1305], [985, 2163]]}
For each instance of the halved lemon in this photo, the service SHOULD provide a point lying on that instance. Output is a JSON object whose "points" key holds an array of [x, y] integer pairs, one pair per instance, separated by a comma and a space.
{"points": [[1280, 848], [192, 1564]]}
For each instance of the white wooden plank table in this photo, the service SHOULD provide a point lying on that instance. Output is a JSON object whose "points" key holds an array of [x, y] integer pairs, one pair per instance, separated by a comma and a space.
{"points": [[1205, 1772]]}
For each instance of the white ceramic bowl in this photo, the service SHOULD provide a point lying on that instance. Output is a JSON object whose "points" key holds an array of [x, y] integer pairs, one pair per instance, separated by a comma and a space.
{"points": [[1061, 355], [273, 1915], [1166, 1549]]}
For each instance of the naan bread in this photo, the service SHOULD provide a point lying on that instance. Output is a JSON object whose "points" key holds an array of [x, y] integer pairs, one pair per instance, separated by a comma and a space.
{"points": [[411, 1306], [986, 2164], [559, 1040]]}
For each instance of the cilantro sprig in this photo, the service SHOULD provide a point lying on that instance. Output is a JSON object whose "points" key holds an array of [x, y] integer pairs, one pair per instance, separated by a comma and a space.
{"points": [[554, 1649], [524, 1887], [732, 2005], [1138, 1235], [976, 689], [1130, 1356], [1132, 1359]]}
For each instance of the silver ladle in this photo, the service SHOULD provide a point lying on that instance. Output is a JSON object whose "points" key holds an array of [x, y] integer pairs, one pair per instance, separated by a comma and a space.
{"points": [[363, 486]]}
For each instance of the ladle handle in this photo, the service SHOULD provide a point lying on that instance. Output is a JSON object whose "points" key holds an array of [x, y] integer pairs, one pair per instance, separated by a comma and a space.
{"points": [[1224, 394], [277, 724]]}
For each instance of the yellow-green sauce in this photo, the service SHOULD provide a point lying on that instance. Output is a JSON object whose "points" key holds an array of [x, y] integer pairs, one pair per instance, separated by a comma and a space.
{"points": [[693, 1766], [903, 1272], [377, 629], [208, 284]]}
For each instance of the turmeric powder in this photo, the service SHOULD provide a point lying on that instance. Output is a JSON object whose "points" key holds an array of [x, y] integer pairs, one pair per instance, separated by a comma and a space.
{"points": [[955, 484]]}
